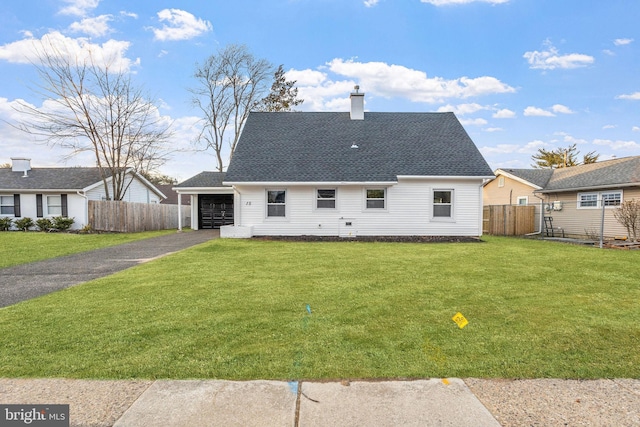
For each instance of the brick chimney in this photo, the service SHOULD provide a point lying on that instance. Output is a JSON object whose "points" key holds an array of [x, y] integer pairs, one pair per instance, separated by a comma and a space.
{"points": [[357, 104]]}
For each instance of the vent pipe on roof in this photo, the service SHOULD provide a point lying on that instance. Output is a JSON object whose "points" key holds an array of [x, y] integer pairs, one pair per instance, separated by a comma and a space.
{"points": [[357, 104]]}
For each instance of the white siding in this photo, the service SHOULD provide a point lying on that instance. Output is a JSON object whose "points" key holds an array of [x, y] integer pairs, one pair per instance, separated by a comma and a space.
{"points": [[408, 210], [75, 207], [137, 192]]}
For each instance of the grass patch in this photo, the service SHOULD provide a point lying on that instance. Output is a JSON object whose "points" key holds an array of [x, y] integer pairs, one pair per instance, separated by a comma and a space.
{"points": [[237, 310], [22, 247]]}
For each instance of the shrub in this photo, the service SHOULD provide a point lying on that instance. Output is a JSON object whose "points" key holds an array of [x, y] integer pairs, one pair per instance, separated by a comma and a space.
{"points": [[44, 224], [24, 223], [61, 223], [5, 223], [629, 216]]}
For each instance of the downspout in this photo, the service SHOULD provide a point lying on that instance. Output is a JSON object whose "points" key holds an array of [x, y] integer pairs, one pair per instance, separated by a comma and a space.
{"points": [[86, 206], [541, 217]]}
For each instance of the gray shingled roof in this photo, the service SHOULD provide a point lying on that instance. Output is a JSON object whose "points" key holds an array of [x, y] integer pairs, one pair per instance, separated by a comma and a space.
{"points": [[49, 179], [538, 177], [609, 173], [317, 147], [204, 179]]}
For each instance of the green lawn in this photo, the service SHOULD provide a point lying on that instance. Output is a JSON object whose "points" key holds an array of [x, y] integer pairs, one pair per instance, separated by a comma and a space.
{"points": [[17, 247], [237, 309]]}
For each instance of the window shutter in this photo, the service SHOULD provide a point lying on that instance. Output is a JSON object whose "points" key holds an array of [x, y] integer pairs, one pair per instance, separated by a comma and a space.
{"points": [[16, 205], [39, 213], [63, 199]]}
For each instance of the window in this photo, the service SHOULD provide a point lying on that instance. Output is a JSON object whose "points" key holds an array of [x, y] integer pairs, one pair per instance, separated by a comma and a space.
{"points": [[6, 205], [501, 181], [276, 203], [326, 199], [442, 203], [588, 200], [54, 205], [596, 200], [523, 200], [612, 199], [376, 198]]}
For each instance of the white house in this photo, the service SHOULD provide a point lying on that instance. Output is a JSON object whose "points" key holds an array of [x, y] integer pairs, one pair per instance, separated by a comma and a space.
{"points": [[48, 192], [355, 174]]}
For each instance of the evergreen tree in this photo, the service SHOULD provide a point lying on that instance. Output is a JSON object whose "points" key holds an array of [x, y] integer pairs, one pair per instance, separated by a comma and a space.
{"points": [[283, 95]]}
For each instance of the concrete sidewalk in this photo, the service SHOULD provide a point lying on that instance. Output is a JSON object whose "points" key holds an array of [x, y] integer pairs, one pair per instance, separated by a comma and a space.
{"points": [[429, 402], [26, 281]]}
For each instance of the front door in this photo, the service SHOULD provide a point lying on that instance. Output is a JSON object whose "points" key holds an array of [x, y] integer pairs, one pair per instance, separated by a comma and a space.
{"points": [[215, 210]]}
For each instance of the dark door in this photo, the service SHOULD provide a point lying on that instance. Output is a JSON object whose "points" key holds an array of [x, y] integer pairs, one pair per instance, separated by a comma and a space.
{"points": [[215, 210]]}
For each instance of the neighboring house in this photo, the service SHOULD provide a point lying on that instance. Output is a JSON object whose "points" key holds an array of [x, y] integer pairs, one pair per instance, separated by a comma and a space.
{"points": [[355, 174], [211, 201], [517, 187], [172, 196], [47, 192], [575, 197]]}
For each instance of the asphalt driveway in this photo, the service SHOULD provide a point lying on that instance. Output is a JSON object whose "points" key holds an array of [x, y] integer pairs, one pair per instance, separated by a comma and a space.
{"points": [[26, 281]]}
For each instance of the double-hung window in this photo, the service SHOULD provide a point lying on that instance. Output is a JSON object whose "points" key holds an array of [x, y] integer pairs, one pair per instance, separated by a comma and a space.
{"points": [[612, 199], [597, 200], [6, 205], [54, 205], [443, 203], [326, 198], [276, 203], [376, 198]]}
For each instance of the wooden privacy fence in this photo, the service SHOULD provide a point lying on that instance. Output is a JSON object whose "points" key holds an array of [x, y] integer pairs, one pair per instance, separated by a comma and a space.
{"points": [[128, 217], [508, 220]]}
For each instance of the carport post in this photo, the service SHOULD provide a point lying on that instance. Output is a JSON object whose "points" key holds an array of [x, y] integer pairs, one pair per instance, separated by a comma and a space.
{"points": [[179, 211]]}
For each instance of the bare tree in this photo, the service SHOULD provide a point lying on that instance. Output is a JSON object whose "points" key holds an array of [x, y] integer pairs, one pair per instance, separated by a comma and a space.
{"points": [[628, 215], [229, 84], [93, 106]]}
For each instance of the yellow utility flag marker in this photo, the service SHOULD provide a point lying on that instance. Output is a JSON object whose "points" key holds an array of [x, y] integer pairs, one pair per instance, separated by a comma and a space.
{"points": [[460, 320]]}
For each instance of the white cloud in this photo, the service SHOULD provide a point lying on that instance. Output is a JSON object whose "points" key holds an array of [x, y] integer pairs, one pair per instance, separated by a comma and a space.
{"points": [[622, 42], [180, 25], [528, 148], [617, 145], [79, 7], [96, 27], [462, 109], [473, 122], [635, 129], [493, 130], [609, 127], [398, 81], [571, 139], [371, 3], [449, 2], [537, 112], [327, 88], [26, 51], [504, 114], [551, 59], [129, 14], [632, 96], [562, 109]]}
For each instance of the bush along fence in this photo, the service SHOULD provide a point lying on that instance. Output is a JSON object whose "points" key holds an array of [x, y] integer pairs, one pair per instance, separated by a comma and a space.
{"points": [[130, 217], [56, 223]]}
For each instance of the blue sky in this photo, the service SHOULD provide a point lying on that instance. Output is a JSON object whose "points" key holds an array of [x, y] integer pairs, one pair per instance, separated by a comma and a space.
{"points": [[519, 74]]}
